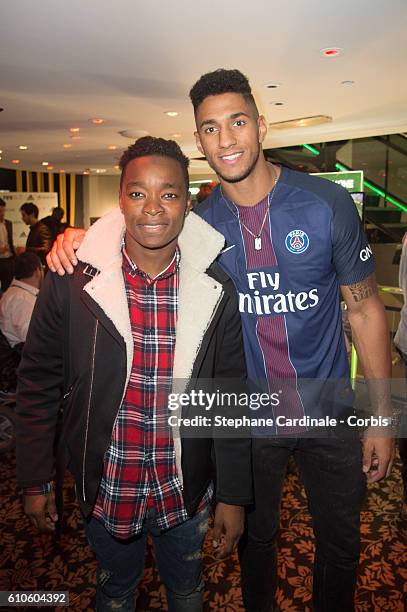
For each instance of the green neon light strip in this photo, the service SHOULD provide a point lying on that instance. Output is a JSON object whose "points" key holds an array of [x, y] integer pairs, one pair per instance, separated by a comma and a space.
{"points": [[376, 190], [312, 149], [342, 168]]}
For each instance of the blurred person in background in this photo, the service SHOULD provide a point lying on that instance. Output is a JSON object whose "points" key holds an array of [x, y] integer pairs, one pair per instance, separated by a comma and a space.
{"points": [[205, 190], [17, 303], [39, 239], [54, 222], [7, 252]]}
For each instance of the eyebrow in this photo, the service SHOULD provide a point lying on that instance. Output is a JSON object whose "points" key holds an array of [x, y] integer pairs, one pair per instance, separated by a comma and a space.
{"points": [[232, 116], [142, 184]]}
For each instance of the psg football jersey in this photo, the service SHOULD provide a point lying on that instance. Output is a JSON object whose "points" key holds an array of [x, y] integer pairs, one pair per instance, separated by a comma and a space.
{"points": [[311, 243]]}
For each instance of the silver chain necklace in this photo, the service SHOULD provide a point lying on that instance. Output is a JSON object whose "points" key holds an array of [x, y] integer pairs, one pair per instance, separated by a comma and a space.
{"points": [[257, 237]]}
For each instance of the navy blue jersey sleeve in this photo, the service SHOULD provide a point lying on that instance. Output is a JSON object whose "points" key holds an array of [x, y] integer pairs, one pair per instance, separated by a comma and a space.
{"points": [[352, 255]]}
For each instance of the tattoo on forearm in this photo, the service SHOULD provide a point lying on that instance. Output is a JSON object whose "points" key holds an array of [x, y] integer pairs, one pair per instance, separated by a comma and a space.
{"points": [[364, 289]]}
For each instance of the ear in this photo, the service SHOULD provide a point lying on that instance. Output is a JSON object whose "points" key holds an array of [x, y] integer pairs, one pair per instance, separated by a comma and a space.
{"points": [[198, 143], [262, 128], [120, 200], [189, 204]]}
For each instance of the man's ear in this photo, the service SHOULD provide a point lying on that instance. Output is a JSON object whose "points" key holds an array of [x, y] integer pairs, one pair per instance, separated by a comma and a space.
{"points": [[120, 200], [189, 204], [198, 143], [262, 128]]}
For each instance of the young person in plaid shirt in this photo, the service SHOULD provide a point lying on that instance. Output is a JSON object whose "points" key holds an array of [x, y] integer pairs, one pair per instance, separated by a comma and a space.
{"points": [[146, 308]]}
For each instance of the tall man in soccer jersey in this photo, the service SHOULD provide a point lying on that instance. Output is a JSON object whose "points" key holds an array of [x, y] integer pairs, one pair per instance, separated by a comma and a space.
{"points": [[292, 241], [144, 310]]}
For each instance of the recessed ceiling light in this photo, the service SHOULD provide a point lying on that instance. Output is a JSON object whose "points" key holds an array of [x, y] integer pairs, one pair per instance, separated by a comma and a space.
{"points": [[74, 129], [67, 146], [15, 161], [85, 172], [76, 137], [277, 103], [331, 51], [272, 85], [23, 147], [112, 147], [347, 83], [97, 121], [1, 152], [50, 167], [171, 113], [133, 134], [117, 167], [176, 135], [44, 163], [301, 122]]}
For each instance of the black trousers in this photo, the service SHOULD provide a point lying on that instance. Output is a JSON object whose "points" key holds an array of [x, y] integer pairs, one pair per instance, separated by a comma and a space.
{"points": [[6, 272], [331, 470]]}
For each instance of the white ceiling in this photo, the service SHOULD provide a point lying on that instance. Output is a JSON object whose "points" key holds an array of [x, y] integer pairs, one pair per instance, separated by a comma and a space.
{"points": [[63, 62]]}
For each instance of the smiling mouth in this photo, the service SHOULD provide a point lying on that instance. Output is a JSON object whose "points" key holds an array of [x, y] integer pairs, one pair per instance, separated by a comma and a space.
{"points": [[152, 227], [231, 158]]}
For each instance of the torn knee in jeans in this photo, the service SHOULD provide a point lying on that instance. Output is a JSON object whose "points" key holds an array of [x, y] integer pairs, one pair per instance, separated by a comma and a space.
{"points": [[202, 526], [194, 556], [103, 576]]}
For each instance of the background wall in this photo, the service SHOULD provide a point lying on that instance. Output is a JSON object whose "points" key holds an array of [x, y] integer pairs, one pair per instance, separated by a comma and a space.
{"points": [[100, 194]]}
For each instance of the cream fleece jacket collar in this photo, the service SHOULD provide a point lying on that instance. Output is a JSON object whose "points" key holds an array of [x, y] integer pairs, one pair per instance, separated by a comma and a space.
{"points": [[199, 294]]}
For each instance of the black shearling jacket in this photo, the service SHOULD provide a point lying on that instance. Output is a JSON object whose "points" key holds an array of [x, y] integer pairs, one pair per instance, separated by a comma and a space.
{"points": [[79, 347]]}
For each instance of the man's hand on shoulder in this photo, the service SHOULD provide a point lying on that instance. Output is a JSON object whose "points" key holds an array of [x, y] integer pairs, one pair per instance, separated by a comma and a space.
{"points": [[41, 511], [227, 529], [62, 256]]}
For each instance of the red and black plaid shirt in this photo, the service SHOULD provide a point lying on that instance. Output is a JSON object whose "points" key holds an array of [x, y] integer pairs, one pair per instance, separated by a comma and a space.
{"points": [[139, 466]]}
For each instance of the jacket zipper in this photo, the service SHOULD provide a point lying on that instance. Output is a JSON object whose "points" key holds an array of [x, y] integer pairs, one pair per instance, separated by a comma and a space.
{"points": [[215, 310], [88, 413]]}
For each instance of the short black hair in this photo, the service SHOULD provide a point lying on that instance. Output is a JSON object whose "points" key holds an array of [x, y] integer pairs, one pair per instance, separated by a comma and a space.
{"points": [[219, 82], [26, 264], [149, 145], [2, 202], [30, 209], [57, 213]]}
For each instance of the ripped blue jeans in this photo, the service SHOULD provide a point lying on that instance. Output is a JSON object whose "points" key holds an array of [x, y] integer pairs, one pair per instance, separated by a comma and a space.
{"points": [[178, 552]]}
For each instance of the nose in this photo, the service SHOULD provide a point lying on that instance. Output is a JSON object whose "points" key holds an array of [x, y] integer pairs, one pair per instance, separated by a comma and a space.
{"points": [[227, 137], [152, 206]]}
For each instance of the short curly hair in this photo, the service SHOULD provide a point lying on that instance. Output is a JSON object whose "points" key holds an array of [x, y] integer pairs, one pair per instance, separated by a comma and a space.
{"points": [[26, 264], [218, 82], [30, 209], [149, 145]]}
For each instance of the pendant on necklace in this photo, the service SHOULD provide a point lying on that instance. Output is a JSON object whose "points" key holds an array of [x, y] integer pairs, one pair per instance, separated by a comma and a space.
{"points": [[257, 243]]}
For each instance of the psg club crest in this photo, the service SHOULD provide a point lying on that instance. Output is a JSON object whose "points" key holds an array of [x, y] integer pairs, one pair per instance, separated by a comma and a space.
{"points": [[297, 241]]}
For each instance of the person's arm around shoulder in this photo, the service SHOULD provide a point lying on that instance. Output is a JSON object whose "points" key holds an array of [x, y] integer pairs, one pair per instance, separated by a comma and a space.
{"points": [[62, 256], [370, 335]]}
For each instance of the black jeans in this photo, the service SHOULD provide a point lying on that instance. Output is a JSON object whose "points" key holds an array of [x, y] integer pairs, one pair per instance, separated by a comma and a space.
{"points": [[331, 470]]}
